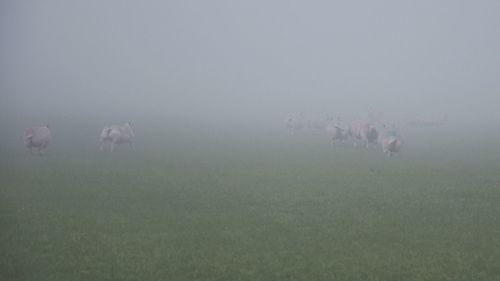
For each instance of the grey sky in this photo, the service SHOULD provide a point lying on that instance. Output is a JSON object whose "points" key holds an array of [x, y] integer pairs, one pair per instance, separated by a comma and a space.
{"points": [[250, 57]]}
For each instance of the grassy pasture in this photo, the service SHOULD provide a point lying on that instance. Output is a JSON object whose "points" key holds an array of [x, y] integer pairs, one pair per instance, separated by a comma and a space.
{"points": [[214, 210]]}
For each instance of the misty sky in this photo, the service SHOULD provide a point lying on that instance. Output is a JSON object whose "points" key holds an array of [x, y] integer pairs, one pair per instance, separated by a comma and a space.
{"points": [[249, 57]]}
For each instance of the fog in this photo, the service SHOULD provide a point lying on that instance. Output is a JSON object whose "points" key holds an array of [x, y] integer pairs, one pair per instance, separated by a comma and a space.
{"points": [[241, 66], [269, 140]]}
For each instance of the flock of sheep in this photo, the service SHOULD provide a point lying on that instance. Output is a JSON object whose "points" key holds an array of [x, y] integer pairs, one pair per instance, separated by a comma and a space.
{"points": [[360, 133]]}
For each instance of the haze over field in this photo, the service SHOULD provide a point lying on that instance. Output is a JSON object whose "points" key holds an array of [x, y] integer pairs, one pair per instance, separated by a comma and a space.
{"points": [[245, 161], [248, 63]]}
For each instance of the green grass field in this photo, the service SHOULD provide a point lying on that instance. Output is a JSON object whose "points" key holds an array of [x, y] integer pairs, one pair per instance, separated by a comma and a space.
{"points": [[235, 211]]}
